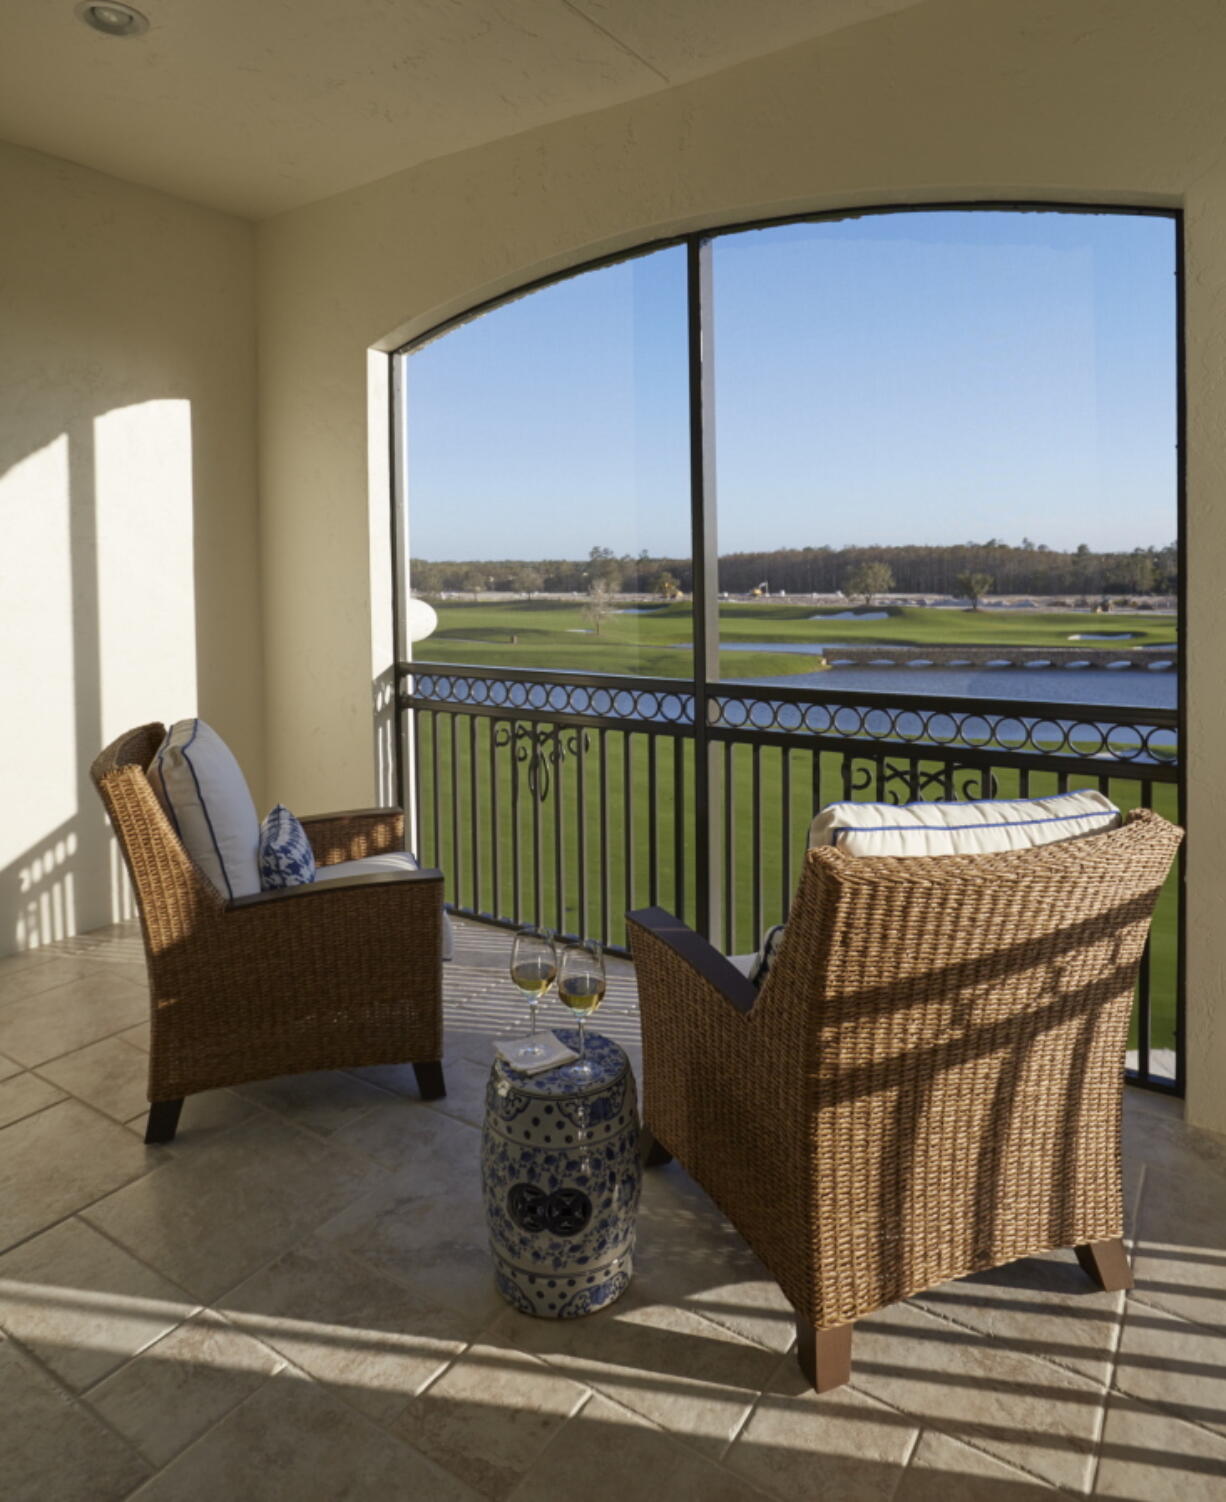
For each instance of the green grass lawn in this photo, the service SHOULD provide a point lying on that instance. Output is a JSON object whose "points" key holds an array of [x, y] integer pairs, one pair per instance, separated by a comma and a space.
{"points": [[627, 809], [547, 634]]}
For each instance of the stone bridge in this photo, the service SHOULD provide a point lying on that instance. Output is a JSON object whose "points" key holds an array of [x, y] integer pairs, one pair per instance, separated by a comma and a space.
{"points": [[1029, 658]]}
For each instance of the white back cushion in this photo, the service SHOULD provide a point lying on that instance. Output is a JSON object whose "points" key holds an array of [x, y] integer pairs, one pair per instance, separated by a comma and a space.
{"points": [[962, 828], [204, 792]]}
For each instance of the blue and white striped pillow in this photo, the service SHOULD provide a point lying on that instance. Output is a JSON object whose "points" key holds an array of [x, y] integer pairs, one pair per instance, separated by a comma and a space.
{"points": [[286, 857]]}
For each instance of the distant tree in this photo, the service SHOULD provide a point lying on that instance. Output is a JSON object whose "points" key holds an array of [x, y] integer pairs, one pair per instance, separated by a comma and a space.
{"points": [[530, 579], [473, 580], [1140, 572], [604, 567], [599, 604], [426, 577], [868, 578], [666, 586], [973, 586]]}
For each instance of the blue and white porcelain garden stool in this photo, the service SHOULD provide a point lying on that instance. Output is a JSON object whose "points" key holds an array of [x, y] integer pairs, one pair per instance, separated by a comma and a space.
{"points": [[561, 1175]]}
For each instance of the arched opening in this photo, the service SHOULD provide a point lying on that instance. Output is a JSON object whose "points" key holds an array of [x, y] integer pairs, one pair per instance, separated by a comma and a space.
{"points": [[883, 506]]}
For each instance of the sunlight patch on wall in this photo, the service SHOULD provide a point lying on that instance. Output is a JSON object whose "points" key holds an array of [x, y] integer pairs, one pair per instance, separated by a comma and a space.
{"points": [[146, 580], [146, 583], [36, 627]]}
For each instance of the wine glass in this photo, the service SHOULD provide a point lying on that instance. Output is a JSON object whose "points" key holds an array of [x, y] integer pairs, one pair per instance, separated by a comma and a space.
{"points": [[534, 966], [581, 985]]}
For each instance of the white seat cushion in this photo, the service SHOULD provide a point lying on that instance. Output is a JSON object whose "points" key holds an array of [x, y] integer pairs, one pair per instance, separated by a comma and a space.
{"points": [[962, 828], [378, 865], [205, 795]]}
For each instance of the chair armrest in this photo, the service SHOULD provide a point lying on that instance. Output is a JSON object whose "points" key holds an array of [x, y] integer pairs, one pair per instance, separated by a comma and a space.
{"points": [[701, 956], [340, 884], [354, 834]]}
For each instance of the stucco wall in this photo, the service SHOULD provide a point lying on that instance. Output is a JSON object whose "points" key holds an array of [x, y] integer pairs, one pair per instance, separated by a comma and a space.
{"points": [[129, 587], [1081, 100]]}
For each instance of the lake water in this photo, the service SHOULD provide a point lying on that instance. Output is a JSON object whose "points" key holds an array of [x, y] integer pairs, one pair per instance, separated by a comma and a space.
{"points": [[1138, 687], [1142, 688]]}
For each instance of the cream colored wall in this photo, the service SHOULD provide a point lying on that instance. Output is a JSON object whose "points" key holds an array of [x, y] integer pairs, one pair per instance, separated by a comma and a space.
{"points": [[129, 586], [1078, 100]]}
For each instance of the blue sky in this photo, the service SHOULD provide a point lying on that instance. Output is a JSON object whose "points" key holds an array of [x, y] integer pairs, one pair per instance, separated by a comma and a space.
{"points": [[898, 378]]}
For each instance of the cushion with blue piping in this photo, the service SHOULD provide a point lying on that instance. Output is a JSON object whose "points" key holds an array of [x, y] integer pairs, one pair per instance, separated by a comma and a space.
{"points": [[927, 828], [202, 788], [286, 857], [978, 828]]}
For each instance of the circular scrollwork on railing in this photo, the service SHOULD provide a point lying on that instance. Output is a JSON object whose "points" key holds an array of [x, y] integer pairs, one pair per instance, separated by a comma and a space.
{"points": [[1084, 735]]}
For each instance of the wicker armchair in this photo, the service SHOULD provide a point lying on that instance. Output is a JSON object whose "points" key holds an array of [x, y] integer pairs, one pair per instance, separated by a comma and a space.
{"points": [[929, 1081], [331, 975]]}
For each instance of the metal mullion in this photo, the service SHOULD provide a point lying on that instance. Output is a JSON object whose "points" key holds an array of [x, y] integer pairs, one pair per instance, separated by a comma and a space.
{"points": [[756, 817], [679, 844], [652, 824], [516, 909], [455, 875], [414, 717], [704, 567], [604, 836], [495, 830], [538, 878], [474, 815], [436, 796], [785, 863], [559, 833], [729, 848], [581, 825], [628, 818]]}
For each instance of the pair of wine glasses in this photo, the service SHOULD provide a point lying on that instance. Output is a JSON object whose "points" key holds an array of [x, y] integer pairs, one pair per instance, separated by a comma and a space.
{"points": [[580, 975]]}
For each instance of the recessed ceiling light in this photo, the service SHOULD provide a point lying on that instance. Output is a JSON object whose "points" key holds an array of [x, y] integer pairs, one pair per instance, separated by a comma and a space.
{"points": [[112, 19]]}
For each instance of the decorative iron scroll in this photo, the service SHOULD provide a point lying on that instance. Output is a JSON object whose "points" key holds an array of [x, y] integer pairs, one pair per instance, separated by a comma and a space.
{"points": [[952, 783], [540, 747]]}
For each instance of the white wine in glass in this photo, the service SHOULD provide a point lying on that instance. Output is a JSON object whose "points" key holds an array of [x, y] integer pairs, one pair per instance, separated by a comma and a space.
{"points": [[534, 967], [581, 985]]}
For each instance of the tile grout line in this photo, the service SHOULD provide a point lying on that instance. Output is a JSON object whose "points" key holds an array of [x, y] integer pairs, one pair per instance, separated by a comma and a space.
{"points": [[1109, 1385], [752, 1409], [1026, 1355], [595, 1385], [905, 1465], [937, 1426], [76, 1400], [1139, 1297], [161, 1470]]}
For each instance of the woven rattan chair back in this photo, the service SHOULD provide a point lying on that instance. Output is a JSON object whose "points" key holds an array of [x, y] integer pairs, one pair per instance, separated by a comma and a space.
{"points": [[930, 1081], [174, 896]]}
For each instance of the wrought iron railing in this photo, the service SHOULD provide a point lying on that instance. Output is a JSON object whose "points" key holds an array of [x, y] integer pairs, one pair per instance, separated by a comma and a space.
{"points": [[566, 799]]}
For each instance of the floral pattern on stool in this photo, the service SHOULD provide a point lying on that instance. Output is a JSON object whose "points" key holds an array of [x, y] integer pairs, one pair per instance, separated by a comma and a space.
{"points": [[561, 1177]]}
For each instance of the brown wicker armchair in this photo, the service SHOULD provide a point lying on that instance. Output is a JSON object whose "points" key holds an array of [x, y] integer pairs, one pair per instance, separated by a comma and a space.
{"points": [[329, 976], [929, 1081]]}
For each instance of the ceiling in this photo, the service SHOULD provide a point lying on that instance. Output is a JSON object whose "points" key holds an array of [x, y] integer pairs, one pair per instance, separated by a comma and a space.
{"points": [[256, 106]]}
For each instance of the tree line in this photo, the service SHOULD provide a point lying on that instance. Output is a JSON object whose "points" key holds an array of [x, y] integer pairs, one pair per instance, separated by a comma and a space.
{"points": [[1025, 568]]}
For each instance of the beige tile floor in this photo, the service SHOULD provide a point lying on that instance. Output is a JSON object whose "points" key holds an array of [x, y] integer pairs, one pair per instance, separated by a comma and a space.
{"points": [[293, 1301]]}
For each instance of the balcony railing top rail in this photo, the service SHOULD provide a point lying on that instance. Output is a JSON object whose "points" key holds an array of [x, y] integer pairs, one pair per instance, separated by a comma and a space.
{"points": [[1052, 734]]}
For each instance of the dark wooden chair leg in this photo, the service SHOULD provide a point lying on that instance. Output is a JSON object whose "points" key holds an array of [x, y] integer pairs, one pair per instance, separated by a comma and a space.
{"points": [[824, 1355], [163, 1120], [652, 1153], [1107, 1263], [430, 1082]]}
